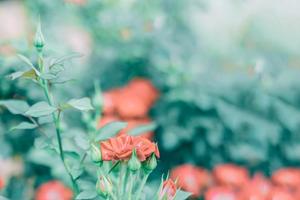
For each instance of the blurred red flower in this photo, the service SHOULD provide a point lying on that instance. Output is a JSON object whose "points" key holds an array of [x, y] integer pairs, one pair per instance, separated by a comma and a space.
{"points": [[2, 183], [110, 99], [168, 190], [280, 194], [191, 178], [258, 188], [231, 175], [144, 89], [53, 190], [287, 177], [220, 193], [129, 105]]}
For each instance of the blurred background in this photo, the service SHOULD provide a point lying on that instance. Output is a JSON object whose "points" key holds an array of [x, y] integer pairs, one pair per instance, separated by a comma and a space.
{"points": [[227, 72]]}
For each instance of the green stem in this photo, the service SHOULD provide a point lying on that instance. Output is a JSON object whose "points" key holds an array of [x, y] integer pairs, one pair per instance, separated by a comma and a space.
{"points": [[56, 120], [121, 179], [132, 177], [142, 186]]}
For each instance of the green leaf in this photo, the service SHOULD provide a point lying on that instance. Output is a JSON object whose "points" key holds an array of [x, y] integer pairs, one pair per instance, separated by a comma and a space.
{"points": [[40, 109], [82, 141], [28, 62], [82, 104], [15, 106], [24, 125], [181, 195], [142, 129], [47, 76], [110, 130], [86, 194], [23, 74]]}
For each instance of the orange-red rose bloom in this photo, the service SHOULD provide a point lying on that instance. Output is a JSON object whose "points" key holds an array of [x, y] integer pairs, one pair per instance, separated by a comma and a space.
{"points": [[191, 178], [144, 148], [117, 148], [168, 190], [121, 147], [53, 190], [231, 175], [220, 193], [287, 177]]}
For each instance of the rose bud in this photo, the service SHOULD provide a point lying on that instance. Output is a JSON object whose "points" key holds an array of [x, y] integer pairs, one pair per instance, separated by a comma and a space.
{"points": [[39, 40], [168, 190], [53, 190], [231, 175], [150, 164], [134, 163], [96, 153], [104, 186], [191, 178]]}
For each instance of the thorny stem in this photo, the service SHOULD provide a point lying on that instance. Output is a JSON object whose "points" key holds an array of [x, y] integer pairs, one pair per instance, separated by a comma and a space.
{"points": [[56, 120]]}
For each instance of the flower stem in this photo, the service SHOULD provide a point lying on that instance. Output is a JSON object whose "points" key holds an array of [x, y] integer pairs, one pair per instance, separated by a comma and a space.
{"points": [[132, 177], [121, 179], [142, 185], [56, 120]]}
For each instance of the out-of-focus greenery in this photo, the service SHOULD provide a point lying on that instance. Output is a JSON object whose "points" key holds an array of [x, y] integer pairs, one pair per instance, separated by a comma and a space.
{"points": [[227, 71]]}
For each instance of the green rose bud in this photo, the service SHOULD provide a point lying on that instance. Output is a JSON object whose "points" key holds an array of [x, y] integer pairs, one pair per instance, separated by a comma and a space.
{"points": [[134, 163], [104, 186], [96, 153], [150, 164], [39, 40]]}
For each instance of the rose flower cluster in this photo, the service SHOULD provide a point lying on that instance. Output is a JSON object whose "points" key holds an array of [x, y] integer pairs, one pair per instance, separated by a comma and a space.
{"points": [[121, 148], [130, 103], [232, 182]]}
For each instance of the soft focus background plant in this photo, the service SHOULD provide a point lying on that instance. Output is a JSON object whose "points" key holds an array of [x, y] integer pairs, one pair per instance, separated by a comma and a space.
{"points": [[227, 72]]}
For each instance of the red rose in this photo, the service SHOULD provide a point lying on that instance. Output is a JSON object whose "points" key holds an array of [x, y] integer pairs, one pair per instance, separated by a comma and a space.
{"points": [[130, 105], [231, 175], [220, 193], [118, 148], [258, 188], [121, 147], [144, 148], [287, 177], [53, 190], [191, 178], [280, 194], [168, 190], [144, 89]]}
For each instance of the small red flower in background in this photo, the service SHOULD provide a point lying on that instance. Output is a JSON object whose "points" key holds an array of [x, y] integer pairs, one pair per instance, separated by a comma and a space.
{"points": [[280, 194], [2, 183], [168, 190], [144, 89], [258, 188], [220, 193], [287, 177], [53, 190], [129, 105], [191, 178], [121, 147], [231, 175]]}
